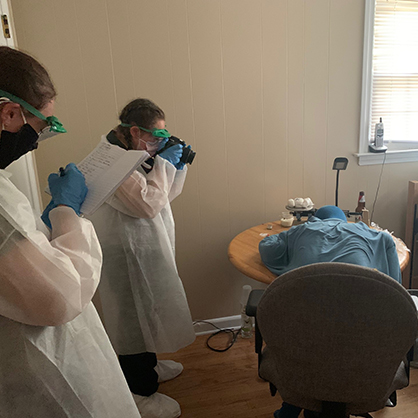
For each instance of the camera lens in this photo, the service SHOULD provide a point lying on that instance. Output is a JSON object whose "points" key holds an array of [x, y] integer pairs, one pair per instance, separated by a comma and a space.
{"points": [[188, 156]]}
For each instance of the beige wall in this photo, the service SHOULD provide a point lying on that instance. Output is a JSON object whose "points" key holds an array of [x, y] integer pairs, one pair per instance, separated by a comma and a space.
{"points": [[266, 91]]}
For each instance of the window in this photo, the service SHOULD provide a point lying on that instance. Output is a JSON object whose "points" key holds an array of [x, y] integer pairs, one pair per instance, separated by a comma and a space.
{"points": [[390, 79]]}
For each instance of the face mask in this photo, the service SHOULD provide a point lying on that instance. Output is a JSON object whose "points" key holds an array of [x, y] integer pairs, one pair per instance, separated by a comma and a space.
{"points": [[151, 147], [15, 144]]}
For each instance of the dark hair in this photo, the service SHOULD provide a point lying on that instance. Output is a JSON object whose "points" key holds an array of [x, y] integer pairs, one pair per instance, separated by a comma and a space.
{"points": [[139, 112], [26, 78]]}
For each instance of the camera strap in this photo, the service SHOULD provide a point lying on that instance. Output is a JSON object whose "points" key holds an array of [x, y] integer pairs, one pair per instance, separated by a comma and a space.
{"points": [[148, 165]]}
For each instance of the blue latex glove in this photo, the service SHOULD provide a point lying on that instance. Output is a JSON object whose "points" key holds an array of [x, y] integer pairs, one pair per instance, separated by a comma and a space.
{"points": [[45, 213], [162, 144], [180, 165], [173, 154], [68, 189]]}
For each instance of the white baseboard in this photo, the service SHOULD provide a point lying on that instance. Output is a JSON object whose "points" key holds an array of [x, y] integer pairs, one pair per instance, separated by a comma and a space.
{"points": [[203, 328]]}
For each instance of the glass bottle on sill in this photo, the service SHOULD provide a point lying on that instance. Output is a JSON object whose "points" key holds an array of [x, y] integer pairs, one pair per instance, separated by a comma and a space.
{"points": [[361, 204]]}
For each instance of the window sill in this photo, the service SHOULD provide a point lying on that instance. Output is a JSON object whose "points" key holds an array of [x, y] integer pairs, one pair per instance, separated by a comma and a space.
{"points": [[399, 156]]}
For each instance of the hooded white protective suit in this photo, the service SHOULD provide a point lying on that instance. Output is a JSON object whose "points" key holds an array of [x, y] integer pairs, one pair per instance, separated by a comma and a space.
{"points": [[55, 358], [143, 299]]}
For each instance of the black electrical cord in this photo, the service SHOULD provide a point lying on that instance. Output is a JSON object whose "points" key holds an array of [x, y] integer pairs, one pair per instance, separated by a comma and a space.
{"points": [[378, 187], [232, 333]]}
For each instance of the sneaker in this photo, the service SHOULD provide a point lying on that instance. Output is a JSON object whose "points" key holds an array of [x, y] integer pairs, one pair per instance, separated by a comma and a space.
{"points": [[157, 406], [167, 370]]}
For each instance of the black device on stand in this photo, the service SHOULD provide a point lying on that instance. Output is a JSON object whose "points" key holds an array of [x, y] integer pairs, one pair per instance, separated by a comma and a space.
{"points": [[340, 163]]}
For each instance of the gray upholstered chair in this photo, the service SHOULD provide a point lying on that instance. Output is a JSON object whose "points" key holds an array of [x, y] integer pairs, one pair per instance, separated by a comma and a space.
{"points": [[335, 335]]}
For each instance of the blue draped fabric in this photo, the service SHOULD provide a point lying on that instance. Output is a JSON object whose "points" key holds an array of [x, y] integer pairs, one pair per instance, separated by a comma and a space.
{"points": [[330, 240]]}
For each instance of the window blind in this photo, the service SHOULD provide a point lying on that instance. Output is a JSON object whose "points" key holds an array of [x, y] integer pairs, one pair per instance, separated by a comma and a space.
{"points": [[395, 70]]}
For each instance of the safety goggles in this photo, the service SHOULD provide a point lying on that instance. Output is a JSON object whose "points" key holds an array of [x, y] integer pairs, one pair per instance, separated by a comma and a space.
{"points": [[156, 133], [54, 126]]}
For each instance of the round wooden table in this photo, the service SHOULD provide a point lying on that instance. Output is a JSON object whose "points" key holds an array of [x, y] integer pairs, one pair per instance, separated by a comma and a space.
{"points": [[243, 252]]}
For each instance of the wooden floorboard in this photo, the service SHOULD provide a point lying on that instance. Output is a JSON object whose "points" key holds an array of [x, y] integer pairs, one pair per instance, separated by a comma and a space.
{"points": [[226, 385]]}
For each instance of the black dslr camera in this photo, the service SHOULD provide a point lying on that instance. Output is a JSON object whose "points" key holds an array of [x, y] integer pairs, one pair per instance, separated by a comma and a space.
{"points": [[188, 154]]}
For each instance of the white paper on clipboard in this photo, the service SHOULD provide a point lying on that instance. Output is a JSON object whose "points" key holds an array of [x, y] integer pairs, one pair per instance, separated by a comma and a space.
{"points": [[105, 169]]}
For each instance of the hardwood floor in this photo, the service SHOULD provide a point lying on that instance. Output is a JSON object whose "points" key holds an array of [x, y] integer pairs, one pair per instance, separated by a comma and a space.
{"points": [[226, 385]]}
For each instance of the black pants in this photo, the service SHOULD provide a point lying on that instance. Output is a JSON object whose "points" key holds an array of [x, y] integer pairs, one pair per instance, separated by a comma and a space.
{"points": [[139, 373]]}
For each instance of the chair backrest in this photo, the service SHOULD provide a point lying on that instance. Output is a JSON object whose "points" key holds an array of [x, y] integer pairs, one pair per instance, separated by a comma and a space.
{"points": [[336, 332]]}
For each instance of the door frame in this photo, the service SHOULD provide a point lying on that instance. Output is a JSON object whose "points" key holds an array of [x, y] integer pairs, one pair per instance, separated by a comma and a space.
{"points": [[24, 173]]}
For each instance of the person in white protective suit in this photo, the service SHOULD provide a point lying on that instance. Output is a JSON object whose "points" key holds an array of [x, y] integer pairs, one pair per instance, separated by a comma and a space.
{"points": [[144, 303], [56, 360]]}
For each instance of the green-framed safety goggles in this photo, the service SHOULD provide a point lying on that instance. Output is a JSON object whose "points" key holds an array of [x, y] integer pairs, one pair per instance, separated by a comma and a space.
{"points": [[157, 133], [54, 125]]}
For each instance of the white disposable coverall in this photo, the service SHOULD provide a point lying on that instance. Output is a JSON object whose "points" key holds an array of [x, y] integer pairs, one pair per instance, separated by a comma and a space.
{"points": [[55, 358], [143, 299]]}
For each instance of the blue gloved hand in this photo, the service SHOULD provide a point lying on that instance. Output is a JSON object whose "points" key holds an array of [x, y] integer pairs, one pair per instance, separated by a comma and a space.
{"points": [[162, 144], [68, 189], [173, 154], [45, 213], [180, 165]]}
